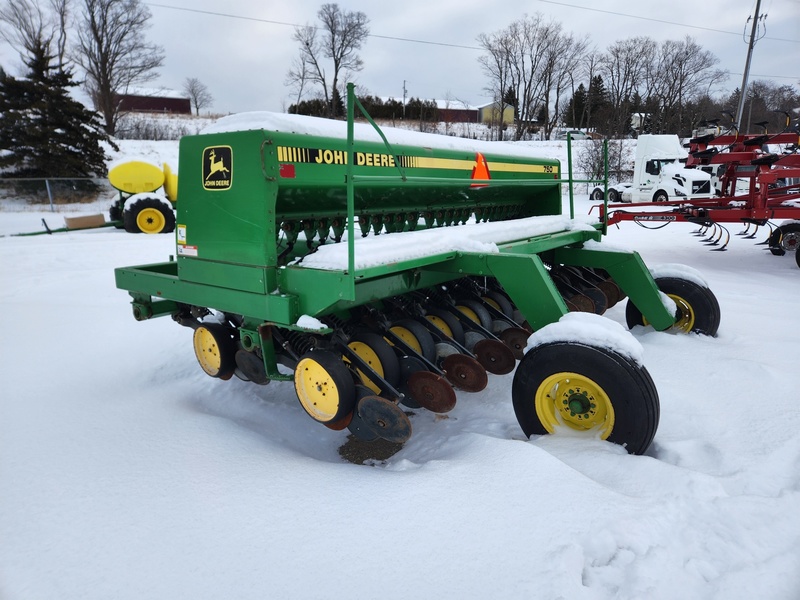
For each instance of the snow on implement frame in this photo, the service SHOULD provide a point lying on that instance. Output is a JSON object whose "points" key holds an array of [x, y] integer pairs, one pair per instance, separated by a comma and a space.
{"points": [[461, 254], [757, 186]]}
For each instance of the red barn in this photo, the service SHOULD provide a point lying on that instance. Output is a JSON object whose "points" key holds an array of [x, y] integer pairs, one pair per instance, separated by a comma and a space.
{"points": [[155, 100]]}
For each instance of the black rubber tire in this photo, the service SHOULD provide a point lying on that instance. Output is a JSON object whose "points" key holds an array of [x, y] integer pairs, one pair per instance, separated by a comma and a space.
{"points": [[773, 243], [342, 381], [506, 307], [784, 239], [797, 258], [597, 194], [613, 195], [628, 386], [115, 215], [423, 336], [699, 299], [129, 217], [389, 363], [452, 323], [480, 311], [661, 196]]}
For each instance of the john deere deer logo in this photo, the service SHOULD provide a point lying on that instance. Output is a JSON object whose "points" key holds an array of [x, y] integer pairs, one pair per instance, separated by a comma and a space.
{"points": [[217, 167]]}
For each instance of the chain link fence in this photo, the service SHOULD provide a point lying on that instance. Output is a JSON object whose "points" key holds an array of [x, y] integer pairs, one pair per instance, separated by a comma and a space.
{"points": [[40, 192]]}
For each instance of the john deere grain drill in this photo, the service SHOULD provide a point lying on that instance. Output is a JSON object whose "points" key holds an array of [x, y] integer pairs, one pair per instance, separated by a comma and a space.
{"points": [[388, 270]]}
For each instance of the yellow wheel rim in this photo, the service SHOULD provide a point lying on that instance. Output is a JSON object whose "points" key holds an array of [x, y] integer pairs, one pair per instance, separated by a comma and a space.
{"points": [[207, 351], [150, 220], [440, 325], [316, 390], [491, 303], [369, 356], [408, 337], [686, 318], [575, 401], [469, 313]]}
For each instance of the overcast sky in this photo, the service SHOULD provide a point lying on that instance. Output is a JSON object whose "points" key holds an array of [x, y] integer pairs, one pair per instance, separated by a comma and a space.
{"points": [[242, 49]]}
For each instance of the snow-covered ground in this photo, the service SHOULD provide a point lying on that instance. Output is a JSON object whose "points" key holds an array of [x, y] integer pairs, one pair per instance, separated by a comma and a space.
{"points": [[127, 473]]}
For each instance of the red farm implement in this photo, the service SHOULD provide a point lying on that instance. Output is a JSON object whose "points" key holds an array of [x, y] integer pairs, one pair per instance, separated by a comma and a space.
{"points": [[758, 182]]}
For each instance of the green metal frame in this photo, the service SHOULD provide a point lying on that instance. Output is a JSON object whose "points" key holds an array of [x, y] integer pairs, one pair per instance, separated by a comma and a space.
{"points": [[278, 297]]}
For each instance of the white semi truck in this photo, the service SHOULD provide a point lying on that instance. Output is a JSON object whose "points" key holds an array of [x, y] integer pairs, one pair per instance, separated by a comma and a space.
{"points": [[660, 174]]}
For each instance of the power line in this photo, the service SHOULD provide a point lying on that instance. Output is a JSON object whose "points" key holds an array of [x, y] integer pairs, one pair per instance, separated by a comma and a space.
{"points": [[428, 42], [272, 22], [620, 14]]}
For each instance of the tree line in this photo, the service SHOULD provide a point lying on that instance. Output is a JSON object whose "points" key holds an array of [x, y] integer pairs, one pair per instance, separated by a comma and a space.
{"points": [[552, 78]]}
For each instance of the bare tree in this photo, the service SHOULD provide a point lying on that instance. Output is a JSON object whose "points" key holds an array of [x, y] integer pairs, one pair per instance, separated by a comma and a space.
{"points": [[624, 67], [340, 36], [297, 78], [496, 65], [682, 71], [36, 31], [564, 55], [198, 93], [113, 52], [517, 56]]}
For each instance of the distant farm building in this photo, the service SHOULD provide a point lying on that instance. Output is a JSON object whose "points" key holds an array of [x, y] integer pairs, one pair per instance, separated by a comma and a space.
{"points": [[490, 114], [451, 111], [155, 100]]}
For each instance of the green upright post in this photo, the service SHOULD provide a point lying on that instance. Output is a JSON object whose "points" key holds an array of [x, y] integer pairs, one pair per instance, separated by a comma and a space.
{"points": [[351, 201], [569, 166], [605, 190]]}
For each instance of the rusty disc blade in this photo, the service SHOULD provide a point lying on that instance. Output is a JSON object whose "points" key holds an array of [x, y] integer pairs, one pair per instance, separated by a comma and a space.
{"points": [[432, 391], [465, 373], [384, 418], [341, 424], [516, 339], [611, 290], [582, 303], [408, 366], [357, 426], [495, 356]]}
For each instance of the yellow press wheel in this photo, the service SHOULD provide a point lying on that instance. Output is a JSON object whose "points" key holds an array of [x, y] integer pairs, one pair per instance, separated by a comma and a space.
{"points": [[447, 323], [588, 389], [324, 386], [378, 354], [416, 336], [475, 312], [215, 349]]}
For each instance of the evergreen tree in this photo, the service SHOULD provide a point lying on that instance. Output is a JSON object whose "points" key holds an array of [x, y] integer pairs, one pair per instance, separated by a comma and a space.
{"points": [[575, 113], [44, 132]]}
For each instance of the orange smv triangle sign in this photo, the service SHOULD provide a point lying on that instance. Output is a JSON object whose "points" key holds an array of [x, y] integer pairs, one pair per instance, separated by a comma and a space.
{"points": [[480, 170]]}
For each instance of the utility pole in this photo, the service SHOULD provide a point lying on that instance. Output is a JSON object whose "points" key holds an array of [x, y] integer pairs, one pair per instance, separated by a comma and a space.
{"points": [[404, 99], [751, 45]]}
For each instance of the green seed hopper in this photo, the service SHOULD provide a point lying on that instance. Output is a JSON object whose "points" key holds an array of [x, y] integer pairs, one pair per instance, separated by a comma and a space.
{"points": [[388, 270]]}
